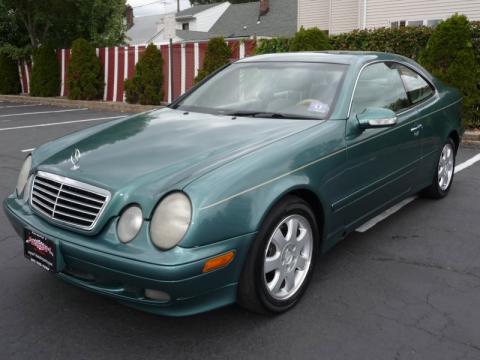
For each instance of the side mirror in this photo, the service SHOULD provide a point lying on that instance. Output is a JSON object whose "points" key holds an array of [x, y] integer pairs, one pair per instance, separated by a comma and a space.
{"points": [[376, 118]]}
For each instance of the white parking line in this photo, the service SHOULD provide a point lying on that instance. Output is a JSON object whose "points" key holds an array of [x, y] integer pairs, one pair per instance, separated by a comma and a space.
{"points": [[467, 163], [17, 106], [27, 150], [61, 123], [44, 112], [374, 221]]}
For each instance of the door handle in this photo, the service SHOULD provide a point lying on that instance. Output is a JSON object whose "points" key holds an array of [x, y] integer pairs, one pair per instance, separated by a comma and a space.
{"points": [[416, 129]]}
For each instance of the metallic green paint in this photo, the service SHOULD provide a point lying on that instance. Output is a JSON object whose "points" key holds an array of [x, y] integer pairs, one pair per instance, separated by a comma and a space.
{"points": [[233, 170]]}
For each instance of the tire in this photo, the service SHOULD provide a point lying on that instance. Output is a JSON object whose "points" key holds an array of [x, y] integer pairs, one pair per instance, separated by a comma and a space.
{"points": [[294, 260], [444, 172]]}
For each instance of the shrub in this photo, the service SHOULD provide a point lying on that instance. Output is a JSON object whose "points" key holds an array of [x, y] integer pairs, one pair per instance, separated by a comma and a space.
{"points": [[9, 79], [312, 39], [146, 86], [218, 54], [407, 41], [85, 75], [450, 56], [45, 79], [275, 45]]}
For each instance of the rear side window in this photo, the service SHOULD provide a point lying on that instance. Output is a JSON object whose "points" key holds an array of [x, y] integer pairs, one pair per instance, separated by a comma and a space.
{"points": [[417, 88], [380, 86]]}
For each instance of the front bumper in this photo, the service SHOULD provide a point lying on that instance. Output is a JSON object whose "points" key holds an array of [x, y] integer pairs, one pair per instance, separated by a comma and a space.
{"points": [[124, 272]]}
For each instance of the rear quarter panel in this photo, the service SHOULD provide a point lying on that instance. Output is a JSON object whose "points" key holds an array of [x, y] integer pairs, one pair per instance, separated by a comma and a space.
{"points": [[440, 116]]}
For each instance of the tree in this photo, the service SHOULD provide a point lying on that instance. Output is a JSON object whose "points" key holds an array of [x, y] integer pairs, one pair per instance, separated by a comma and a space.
{"points": [[9, 79], [146, 86], [312, 39], [45, 72], [450, 56], [218, 54], [59, 22], [85, 76]]}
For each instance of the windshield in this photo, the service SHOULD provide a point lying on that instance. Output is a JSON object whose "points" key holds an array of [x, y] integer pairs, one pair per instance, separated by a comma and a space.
{"points": [[269, 89]]}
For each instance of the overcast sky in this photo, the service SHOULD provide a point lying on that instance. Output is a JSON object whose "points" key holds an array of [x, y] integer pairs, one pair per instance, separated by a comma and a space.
{"points": [[152, 7]]}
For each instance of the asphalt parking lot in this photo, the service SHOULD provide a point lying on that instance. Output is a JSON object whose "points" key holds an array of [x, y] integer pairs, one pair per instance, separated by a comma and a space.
{"points": [[408, 288]]}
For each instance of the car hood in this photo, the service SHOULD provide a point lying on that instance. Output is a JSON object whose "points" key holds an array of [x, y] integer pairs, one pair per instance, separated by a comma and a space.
{"points": [[161, 149]]}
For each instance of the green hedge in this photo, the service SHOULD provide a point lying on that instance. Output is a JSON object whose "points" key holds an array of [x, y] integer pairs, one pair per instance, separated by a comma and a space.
{"points": [[218, 54], [45, 79], [275, 45], [407, 41], [450, 56], [9, 79], [85, 74], [312, 39], [146, 86]]}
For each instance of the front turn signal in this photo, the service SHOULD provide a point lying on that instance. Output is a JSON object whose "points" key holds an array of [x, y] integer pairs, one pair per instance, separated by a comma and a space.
{"points": [[218, 262]]}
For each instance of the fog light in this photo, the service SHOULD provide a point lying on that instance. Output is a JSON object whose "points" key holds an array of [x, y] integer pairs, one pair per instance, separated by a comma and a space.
{"points": [[219, 261], [157, 295]]}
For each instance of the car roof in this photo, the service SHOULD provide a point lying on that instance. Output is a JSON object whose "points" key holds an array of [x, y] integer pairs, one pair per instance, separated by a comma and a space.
{"points": [[340, 57]]}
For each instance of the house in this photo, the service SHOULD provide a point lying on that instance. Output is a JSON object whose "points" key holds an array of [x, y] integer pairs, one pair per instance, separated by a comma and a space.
{"points": [[338, 16], [264, 18], [148, 29]]}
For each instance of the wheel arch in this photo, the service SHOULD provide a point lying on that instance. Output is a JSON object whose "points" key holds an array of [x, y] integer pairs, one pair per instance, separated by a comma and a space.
{"points": [[311, 198], [456, 138]]}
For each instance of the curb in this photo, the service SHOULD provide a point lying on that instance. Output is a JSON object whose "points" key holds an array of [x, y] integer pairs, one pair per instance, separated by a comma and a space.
{"points": [[471, 137], [93, 105]]}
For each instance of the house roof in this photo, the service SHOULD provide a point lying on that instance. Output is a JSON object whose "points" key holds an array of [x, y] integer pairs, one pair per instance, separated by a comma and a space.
{"points": [[243, 20], [144, 29], [194, 10], [188, 35]]}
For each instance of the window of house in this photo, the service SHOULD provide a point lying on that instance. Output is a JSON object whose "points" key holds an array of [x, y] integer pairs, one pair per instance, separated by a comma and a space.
{"points": [[380, 86], [433, 23], [417, 88], [394, 24], [186, 26], [415, 23]]}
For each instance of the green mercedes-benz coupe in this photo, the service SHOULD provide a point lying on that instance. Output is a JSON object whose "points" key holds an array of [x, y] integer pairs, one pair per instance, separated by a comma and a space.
{"points": [[231, 193]]}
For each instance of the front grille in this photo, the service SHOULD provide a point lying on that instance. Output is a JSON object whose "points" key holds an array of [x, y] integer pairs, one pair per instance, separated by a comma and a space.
{"points": [[68, 201]]}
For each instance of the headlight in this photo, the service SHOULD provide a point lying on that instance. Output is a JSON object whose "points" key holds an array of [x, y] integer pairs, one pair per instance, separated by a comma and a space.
{"points": [[23, 176], [129, 224], [170, 220]]}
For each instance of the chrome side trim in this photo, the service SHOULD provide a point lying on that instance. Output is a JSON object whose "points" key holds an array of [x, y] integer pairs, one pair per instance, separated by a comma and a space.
{"points": [[322, 158]]}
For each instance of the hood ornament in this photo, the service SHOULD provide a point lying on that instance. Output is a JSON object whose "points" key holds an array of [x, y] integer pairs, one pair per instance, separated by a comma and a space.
{"points": [[75, 159]]}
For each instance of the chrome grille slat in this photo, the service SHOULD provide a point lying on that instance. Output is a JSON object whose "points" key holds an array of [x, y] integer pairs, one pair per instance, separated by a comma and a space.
{"points": [[72, 216], [82, 196], [47, 185], [46, 202], [79, 203], [68, 201], [73, 209], [43, 191]]}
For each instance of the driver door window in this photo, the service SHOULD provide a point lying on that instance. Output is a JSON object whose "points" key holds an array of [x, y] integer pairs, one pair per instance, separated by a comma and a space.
{"points": [[380, 86]]}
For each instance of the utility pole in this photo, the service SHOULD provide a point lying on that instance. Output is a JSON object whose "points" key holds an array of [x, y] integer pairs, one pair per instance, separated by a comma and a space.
{"points": [[178, 6]]}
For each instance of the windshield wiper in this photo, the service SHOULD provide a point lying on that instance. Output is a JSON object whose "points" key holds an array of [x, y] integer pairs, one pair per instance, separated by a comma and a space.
{"points": [[272, 115]]}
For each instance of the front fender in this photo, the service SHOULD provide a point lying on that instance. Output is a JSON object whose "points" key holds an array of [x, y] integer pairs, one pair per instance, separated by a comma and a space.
{"points": [[235, 198]]}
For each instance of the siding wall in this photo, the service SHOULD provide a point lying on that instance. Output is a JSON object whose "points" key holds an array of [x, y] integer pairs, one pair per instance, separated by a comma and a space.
{"points": [[347, 15], [381, 12], [314, 13], [344, 16]]}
